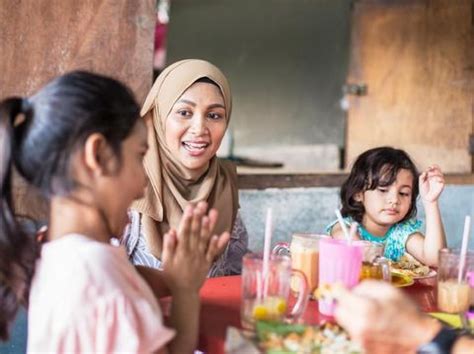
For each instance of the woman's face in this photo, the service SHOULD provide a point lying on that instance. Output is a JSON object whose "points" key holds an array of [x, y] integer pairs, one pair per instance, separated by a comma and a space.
{"points": [[196, 125]]}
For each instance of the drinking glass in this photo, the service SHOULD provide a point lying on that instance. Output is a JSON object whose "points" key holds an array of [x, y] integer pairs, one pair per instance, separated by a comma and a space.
{"points": [[340, 262], [267, 296], [304, 252], [453, 293], [470, 278], [374, 264]]}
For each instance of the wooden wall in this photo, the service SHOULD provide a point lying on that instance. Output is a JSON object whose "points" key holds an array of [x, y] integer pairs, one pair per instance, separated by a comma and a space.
{"points": [[40, 39], [416, 58]]}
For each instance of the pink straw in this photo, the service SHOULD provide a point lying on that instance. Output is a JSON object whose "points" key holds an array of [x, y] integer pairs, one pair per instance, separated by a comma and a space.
{"points": [[463, 255], [266, 249], [259, 286]]}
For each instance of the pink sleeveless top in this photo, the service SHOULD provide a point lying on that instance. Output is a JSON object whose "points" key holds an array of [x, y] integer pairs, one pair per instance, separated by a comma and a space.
{"points": [[87, 297]]}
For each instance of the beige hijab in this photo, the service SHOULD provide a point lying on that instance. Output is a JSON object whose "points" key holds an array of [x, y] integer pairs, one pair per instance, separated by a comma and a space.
{"points": [[171, 185]]}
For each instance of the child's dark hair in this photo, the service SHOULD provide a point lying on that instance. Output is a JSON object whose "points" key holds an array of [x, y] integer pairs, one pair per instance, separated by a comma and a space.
{"points": [[37, 138], [374, 168]]}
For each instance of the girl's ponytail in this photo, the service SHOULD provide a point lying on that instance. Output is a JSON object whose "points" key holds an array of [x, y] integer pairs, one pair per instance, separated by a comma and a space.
{"points": [[18, 251]]}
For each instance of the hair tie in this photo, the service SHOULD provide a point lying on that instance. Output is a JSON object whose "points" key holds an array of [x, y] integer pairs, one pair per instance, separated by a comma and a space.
{"points": [[22, 115]]}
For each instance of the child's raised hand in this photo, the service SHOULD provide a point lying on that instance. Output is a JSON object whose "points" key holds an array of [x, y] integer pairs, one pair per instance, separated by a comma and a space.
{"points": [[189, 252], [431, 184]]}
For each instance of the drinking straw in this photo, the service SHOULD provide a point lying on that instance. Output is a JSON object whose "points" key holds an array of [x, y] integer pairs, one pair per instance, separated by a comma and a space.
{"points": [[353, 231], [266, 249], [343, 225], [259, 286], [465, 238]]}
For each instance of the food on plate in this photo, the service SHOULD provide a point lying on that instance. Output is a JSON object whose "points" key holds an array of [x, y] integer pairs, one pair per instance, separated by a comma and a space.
{"points": [[410, 266], [329, 292], [400, 280], [296, 338]]}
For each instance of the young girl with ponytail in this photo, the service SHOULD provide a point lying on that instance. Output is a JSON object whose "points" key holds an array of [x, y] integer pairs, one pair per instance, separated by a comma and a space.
{"points": [[81, 143]]}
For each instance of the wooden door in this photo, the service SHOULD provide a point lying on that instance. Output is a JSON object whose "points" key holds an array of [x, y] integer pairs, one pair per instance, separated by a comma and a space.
{"points": [[40, 39], [416, 58]]}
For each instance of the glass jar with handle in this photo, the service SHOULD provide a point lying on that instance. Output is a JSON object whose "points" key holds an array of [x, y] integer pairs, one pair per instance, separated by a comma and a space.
{"points": [[267, 296], [304, 252]]}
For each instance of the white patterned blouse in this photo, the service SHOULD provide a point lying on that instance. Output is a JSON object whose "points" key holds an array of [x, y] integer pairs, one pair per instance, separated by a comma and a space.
{"points": [[229, 263]]}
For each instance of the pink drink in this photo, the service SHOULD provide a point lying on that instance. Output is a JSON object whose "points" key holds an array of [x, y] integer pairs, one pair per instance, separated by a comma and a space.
{"points": [[339, 262]]}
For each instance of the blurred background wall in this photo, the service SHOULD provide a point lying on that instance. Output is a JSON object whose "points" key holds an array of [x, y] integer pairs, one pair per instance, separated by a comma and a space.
{"points": [[310, 210], [286, 62]]}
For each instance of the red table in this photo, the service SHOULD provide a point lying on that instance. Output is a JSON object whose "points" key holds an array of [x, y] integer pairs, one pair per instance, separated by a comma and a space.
{"points": [[221, 308]]}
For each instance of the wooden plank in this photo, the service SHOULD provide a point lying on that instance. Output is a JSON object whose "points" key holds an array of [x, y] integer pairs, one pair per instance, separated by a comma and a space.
{"points": [[40, 39], [263, 181], [416, 58]]}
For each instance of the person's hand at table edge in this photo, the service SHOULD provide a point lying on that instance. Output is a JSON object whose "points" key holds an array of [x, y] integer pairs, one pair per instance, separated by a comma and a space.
{"points": [[384, 320]]}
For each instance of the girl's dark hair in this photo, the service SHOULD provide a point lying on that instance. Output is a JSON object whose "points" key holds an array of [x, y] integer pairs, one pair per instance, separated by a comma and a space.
{"points": [[37, 138], [374, 168]]}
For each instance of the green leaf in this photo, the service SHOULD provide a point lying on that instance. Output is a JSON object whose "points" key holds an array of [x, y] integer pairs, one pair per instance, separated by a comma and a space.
{"points": [[264, 327]]}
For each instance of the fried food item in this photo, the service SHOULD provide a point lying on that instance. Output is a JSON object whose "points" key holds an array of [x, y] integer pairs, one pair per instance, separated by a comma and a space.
{"points": [[325, 339], [408, 265], [329, 292]]}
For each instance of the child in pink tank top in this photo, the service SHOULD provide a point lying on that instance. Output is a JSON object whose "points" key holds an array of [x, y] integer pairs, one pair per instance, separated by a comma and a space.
{"points": [[80, 141]]}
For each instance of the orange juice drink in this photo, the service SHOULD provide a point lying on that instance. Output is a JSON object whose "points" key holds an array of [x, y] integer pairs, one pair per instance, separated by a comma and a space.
{"points": [[371, 271], [304, 252], [307, 261], [374, 265]]}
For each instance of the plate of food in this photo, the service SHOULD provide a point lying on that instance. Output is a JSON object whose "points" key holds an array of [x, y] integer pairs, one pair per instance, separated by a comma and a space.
{"points": [[408, 265], [400, 280], [328, 338], [431, 274]]}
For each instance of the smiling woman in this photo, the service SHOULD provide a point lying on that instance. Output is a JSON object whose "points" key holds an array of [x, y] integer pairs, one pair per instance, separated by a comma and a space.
{"points": [[187, 112], [196, 124]]}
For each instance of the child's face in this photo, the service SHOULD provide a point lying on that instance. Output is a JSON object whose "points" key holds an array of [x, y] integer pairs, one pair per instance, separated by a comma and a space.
{"points": [[196, 125], [129, 182], [385, 206]]}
